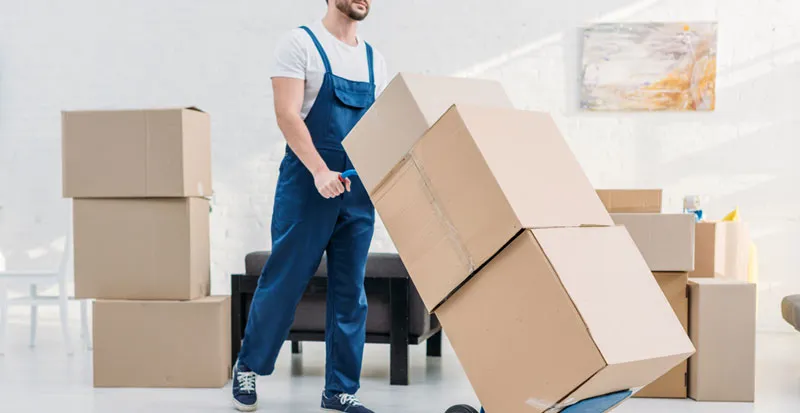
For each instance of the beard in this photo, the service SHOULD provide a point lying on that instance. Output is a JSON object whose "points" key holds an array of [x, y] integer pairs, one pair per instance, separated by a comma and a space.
{"points": [[347, 8]]}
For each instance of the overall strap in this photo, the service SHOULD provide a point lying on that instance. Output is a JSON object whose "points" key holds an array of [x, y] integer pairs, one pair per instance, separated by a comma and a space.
{"points": [[370, 62], [319, 49]]}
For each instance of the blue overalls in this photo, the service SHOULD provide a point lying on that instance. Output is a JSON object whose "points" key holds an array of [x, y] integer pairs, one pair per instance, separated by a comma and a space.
{"points": [[304, 226]]}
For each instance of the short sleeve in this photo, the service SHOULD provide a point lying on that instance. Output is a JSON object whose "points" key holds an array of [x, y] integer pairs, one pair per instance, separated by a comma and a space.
{"points": [[381, 74], [291, 58]]}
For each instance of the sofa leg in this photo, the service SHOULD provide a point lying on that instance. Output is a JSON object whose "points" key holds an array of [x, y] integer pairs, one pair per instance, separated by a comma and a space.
{"points": [[398, 336], [236, 318], [435, 345], [297, 347]]}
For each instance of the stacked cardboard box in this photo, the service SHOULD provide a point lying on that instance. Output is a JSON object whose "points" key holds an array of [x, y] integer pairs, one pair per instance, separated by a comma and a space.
{"points": [[718, 310], [542, 297], [666, 242], [139, 179]]}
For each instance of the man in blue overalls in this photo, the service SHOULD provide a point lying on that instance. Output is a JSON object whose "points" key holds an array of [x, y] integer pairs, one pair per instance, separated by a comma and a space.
{"points": [[324, 79]]}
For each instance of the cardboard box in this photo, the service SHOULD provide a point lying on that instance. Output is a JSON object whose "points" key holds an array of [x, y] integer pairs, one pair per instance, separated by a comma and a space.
{"points": [[561, 315], [672, 385], [409, 106], [181, 344], [722, 250], [136, 153], [631, 200], [141, 249], [474, 181], [665, 240], [722, 325]]}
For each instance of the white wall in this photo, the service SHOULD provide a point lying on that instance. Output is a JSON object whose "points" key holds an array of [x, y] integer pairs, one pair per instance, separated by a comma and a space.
{"points": [[58, 55]]}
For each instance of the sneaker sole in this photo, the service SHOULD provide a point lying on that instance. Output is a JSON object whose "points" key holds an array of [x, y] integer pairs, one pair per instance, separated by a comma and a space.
{"points": [[243, 407]]}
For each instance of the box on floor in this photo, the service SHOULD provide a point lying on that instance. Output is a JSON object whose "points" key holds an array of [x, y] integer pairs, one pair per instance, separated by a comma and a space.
{"points": [[631, 200], [136, 153], [722, 326], [148, 249], [576, 315], [722, 250], [666, 241], [672, 385], [179, 344]]}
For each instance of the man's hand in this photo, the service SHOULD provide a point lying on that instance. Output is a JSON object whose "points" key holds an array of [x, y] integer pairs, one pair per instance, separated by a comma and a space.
{"points": [[329, 185]]}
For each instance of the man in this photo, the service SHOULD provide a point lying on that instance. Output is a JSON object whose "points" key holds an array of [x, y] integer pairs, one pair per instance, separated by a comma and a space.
{"points": [[324, 80]]}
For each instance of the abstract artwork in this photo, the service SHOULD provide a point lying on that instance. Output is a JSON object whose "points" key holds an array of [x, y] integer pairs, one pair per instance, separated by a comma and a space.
{"points": [[649, 67]]}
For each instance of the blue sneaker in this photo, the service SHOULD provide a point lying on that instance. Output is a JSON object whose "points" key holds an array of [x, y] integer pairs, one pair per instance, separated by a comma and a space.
{"points": [[245, 398], [343, 403]]}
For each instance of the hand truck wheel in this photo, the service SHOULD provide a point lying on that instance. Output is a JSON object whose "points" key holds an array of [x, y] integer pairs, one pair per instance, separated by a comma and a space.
{"points": [[461, 408]]}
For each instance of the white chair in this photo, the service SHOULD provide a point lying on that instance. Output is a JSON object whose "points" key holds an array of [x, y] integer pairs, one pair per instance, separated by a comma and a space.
{"points": [[33, 281]]}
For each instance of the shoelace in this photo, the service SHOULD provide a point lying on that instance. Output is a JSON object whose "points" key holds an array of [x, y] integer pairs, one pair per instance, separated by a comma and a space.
{"points": [[247, 381], [349, 400]]}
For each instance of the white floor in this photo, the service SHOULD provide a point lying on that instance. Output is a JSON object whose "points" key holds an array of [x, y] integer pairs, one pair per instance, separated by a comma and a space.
{"points": [[44, 379]]}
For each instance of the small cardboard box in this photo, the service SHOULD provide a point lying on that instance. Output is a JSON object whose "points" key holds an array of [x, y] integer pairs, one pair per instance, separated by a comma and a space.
{"points": [[577, 315], [722, 326], [672, 385], [141, 249], [665, 240], [409, 106], [136, 153], [722, 250], [476, 179], [631, 200], [179, 344]]}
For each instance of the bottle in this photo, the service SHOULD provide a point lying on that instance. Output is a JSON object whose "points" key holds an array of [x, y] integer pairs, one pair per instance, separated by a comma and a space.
{"points": [[692, 205]]}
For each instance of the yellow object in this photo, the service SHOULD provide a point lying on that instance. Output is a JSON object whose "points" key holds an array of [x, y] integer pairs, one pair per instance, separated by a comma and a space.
{"points": [[752, 262]]}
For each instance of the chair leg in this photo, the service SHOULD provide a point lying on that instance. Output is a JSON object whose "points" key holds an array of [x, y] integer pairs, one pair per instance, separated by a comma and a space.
{"points": [[86, 335], [63, 309], [34, 314], [3, 319], [435, 345], [297, 347], [398, 335]]}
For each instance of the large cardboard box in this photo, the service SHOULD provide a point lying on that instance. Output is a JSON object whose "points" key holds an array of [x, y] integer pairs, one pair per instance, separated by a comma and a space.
{"points": [[409, 106], [476, 179], [631, 200], [141, 249], [183, 344], [672, 385], [665, 240], [722, 326], [722, 250], [136, 153], [561, 315]]}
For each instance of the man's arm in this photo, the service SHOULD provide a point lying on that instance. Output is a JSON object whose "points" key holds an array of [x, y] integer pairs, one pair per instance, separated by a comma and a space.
{"points": [[288, 93]]}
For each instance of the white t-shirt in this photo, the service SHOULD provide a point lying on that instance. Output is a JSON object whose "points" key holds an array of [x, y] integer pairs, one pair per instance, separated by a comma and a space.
{"points": [[297, 57]]}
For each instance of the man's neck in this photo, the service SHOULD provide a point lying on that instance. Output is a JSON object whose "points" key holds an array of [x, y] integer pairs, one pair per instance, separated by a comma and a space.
{"points": [[341, 26]]}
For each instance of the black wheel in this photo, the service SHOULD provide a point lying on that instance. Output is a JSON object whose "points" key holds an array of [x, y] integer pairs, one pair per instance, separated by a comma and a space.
{"points": [[461, 408]]}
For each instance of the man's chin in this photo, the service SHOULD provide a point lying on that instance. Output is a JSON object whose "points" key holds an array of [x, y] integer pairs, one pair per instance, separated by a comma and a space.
{"points": [[358, 14]]}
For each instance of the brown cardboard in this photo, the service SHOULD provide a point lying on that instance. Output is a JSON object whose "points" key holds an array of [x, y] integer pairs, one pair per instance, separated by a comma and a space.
{"points": [[722, 250], [665, 240], [141, 249], [472, 183], [631, 200], [672, 385], [722, 325], [162, 343], [136, 153], [575, 313], [409, 106]]}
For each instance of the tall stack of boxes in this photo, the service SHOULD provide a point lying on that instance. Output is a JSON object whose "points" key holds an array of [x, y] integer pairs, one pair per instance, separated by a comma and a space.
{"points": [[666, 242], [545, 301], [139, 179], [717, 308]]}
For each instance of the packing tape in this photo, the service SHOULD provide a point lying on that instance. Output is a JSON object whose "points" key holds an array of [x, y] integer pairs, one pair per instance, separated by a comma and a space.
{"points": [[452, 232]]}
